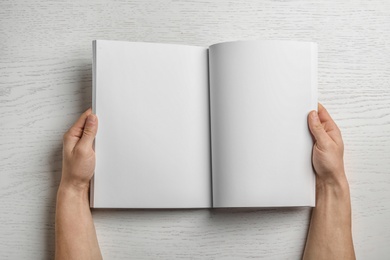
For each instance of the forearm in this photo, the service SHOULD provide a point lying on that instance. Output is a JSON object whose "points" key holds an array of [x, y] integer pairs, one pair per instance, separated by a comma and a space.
{"points": [[330, 234], [75, 231]]}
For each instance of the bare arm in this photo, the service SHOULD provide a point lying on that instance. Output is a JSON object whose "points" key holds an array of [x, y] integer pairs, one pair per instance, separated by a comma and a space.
{"points": [[75, 231], [330, 233]]}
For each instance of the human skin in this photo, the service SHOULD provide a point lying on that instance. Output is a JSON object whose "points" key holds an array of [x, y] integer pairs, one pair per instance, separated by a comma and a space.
{"points": [[75, 231], [329, 236], [330, 232]]}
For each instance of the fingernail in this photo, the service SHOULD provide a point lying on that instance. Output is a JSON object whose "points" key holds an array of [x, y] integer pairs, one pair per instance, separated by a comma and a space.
{"points": [[314, 115], [91, 118]]}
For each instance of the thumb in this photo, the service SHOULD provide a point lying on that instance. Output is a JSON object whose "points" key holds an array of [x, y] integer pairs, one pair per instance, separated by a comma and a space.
{"points": [[317, 129], [89, 132]]}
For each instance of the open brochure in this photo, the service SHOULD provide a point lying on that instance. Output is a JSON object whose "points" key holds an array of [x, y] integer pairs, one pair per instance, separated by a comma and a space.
{"points": [[194, 127]]}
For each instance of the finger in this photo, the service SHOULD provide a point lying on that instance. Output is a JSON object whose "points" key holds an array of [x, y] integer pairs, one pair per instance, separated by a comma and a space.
{"points": [[73, 135], [329, 125], [317, 129], [89, 132]]}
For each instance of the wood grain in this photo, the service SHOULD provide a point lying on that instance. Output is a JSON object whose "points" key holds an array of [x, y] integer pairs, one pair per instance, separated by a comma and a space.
{"points": [[45, 83]]}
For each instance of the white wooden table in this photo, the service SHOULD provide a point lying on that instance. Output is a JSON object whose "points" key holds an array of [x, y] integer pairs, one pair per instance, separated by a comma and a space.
{"points": [[45, 83]]}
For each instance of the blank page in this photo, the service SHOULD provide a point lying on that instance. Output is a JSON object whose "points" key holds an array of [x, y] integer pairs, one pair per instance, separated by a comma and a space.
{"points": [[153, 144], [261, 93]]}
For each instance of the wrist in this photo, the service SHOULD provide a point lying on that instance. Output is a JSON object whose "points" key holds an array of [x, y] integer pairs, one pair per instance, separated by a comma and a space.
{"points": [[337, 188], [68, 189], [335, 178], [72, 181]]}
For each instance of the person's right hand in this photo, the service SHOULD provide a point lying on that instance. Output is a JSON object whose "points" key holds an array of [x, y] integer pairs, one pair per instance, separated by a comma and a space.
{"points": [[328, 148], [330, 232]]}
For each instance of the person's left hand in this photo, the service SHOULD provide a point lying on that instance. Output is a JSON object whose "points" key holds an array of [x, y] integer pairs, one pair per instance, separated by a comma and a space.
{"points": [[78, 162]]}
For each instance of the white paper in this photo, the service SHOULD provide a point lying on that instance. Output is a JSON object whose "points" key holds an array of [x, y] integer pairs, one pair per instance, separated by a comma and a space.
{"points": [[153, 144], [261, 93]]}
